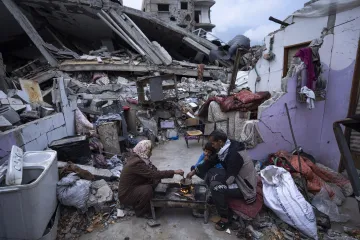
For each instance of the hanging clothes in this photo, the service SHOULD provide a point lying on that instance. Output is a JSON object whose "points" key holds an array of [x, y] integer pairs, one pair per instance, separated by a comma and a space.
{"points": [[306, 55], [310, 97]]}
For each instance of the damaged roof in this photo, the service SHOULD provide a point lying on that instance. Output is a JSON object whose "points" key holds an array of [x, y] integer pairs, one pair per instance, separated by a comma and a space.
{"points": [[78, 22]]}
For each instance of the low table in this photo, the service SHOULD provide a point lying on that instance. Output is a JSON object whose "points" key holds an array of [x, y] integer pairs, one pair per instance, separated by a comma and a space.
{"points": [[169, 198]]}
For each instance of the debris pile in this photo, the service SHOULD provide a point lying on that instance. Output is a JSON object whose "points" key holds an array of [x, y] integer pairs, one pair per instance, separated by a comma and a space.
{"points": [[134, 77], [17, 108]]}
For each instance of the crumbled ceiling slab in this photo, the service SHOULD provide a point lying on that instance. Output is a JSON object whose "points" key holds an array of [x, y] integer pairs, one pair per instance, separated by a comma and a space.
{"points": [[79, 19], [80, 65]]}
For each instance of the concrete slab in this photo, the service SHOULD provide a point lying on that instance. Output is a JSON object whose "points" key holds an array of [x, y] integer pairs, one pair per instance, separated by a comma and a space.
{"points": [[175, 224]]}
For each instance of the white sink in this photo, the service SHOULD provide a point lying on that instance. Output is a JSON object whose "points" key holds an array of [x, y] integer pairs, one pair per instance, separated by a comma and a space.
{"points": [[43, 158]]}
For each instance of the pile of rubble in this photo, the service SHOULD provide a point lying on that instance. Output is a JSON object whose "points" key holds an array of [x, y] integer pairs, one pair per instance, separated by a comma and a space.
{"points": [[17, 108], [108, 211]]}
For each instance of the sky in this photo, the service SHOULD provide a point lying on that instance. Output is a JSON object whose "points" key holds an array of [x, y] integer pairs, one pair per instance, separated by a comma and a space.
{"points": [[247, 17]]}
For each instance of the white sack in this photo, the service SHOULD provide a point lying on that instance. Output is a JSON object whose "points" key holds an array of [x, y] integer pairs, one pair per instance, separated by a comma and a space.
{"points": [[282, 196]]}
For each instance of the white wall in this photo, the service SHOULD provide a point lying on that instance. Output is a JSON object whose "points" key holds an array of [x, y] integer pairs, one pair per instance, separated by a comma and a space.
{"points": [[303, 30], [204, 18], [313, 128]]}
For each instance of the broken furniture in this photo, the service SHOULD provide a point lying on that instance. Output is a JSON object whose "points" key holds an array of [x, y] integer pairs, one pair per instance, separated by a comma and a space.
{"points": [[170, 196], [194, 130], [157, 86], [352, 123], [27, 209], [75, 149]]}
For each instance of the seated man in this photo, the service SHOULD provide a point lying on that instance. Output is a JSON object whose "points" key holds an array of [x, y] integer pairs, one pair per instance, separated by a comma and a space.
{"points": [[236, 180]]}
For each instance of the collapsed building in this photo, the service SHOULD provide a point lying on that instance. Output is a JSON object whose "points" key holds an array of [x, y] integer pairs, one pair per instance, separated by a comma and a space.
{"points": [[147, 74], [190, 14], [69, 54]]}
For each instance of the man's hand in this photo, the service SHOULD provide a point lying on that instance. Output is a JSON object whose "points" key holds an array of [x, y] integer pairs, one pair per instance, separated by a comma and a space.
{"points": [[190, 174], [179, 172]]}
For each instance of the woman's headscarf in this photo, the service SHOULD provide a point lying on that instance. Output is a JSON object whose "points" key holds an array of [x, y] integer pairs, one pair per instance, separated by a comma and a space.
{"points": [[143, 150]]}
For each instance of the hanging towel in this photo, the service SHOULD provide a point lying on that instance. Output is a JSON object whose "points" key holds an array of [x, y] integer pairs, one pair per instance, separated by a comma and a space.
{"points": [[310, 97]]}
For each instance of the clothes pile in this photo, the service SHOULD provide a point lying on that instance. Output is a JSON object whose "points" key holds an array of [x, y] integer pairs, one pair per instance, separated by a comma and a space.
{"points": [[317, 175]]}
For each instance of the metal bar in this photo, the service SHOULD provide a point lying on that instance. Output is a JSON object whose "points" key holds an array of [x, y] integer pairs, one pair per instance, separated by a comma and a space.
{"points": [[347, 159], [303, 181], [235, 71], [278, 21]]}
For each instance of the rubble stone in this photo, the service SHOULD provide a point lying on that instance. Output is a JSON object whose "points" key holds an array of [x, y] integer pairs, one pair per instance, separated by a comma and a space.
{"points": [[103, 194], [18, 108], [2, 94], [14, 101]]}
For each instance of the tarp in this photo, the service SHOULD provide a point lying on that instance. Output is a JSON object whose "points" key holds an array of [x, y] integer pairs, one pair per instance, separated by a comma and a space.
{"points": [[323, 8]]}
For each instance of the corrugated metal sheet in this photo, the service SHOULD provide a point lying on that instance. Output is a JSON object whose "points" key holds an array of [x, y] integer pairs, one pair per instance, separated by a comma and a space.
{"points": [[355, 135]]}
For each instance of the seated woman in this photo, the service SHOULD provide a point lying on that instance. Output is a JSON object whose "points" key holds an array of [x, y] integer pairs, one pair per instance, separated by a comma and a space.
{"points": [[139, 178], [209, 152]]}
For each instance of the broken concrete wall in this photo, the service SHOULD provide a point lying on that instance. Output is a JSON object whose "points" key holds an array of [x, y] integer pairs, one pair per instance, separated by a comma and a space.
{"points": [[313, 128], [37, 135], [176, 15], [271, 71], [204, 16]]}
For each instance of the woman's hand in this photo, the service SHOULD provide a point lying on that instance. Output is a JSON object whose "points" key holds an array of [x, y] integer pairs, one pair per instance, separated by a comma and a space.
{"points": [[179, 172], [190, 174]]}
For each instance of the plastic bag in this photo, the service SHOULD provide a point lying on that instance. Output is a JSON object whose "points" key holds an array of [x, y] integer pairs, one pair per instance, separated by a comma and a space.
{"points": [[323, 203], [338, 197], [73, 192], [283, 197]]}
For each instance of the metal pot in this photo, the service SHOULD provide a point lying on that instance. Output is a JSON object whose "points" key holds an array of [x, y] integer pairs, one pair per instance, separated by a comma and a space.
{"points": [[185, 185]]}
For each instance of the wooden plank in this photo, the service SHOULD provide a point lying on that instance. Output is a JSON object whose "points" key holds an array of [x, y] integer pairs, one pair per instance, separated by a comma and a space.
{"points": [[30, 30], [235, 71], [137, 37], [196, 46], [32, 89]]}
